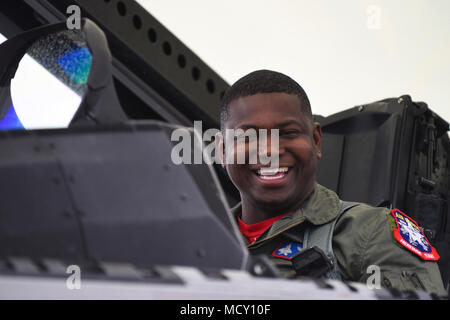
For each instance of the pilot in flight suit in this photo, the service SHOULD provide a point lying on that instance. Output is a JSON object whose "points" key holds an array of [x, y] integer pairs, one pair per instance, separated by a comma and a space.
{"points": [[362, 237], [284, 211]]}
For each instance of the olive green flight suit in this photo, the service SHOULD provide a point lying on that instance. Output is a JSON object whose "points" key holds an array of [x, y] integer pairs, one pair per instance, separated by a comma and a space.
{"points": [[362, 237]]}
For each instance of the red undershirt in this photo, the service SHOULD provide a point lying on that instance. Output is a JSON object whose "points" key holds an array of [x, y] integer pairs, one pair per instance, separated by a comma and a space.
{"points": [[251, 232]]}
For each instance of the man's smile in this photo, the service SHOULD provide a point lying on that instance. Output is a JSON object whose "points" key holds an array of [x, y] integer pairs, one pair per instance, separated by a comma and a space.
{"points": [[272, 176]]}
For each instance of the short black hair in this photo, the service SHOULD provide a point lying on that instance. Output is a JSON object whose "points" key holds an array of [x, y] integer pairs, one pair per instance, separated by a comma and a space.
{"points": [[262, 81]]}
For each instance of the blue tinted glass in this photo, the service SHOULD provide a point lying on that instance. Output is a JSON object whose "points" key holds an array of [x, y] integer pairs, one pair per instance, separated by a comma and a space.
{"points": [[77, 65], [11, 121]]}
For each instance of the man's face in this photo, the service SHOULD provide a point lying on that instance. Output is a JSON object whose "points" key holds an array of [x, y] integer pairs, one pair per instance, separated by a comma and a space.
{"points": [[298, 152]]}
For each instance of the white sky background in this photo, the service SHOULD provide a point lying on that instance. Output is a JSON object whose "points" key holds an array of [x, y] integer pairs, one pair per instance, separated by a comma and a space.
{"points": [[332, 48], [337, 50]]}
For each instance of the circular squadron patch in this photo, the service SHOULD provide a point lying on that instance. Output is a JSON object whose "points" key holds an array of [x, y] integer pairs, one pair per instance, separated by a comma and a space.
{"points": [[409, 235]]}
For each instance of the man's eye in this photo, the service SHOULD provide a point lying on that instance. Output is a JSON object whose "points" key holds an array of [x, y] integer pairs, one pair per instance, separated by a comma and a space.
{"points": [[289, 133]]}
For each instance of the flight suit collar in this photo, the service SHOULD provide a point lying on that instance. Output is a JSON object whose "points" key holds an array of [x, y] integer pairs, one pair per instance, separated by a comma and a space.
{"points": [[321, 207]]}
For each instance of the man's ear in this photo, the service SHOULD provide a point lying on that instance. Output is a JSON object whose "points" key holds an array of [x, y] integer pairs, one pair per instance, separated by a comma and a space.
{"points": [[317, 136], [220, 147]]}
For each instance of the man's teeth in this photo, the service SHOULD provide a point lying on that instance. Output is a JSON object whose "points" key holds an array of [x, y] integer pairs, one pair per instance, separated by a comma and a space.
{"points": [[271, 171], [274, 177]]}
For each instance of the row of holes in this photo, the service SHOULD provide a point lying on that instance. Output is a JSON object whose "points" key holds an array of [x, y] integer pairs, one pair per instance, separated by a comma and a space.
{"points": [[166, 47]]}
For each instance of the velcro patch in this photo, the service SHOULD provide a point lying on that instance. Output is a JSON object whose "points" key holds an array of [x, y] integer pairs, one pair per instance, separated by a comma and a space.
{"points": [[409, 235], [287, 250]]}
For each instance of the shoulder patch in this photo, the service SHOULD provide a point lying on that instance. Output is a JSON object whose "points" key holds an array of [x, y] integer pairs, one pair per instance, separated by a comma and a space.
{"points": [[287, 249], [409, 235]]}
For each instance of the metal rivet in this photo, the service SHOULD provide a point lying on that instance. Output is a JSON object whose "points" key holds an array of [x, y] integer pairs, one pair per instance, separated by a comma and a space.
{"points": [[201, 252], [258, 269]]}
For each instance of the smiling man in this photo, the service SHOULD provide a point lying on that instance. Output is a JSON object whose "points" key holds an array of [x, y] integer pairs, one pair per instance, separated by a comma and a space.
{"points": [[284, 212]]}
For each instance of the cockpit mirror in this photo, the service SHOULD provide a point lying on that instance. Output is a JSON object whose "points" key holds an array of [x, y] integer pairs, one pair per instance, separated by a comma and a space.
{"points": [[52, 77], [50, 82]]}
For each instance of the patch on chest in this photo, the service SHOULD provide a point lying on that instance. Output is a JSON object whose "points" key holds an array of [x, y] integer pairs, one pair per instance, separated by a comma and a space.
{"points": [[409, 235], [287, 249]]}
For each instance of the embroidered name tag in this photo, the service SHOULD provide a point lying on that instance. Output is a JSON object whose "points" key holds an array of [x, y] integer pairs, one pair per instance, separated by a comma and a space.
{"points": [[412, 238], [287, 250]]}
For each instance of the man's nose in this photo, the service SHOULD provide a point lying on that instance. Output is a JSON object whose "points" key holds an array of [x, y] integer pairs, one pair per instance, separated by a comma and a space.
{"points": [[269, 145]]}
